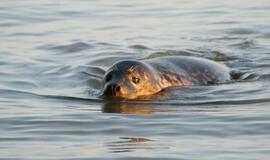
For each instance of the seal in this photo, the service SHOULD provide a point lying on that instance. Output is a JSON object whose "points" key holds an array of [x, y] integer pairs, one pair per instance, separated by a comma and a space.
{"points": [[131, 79]]}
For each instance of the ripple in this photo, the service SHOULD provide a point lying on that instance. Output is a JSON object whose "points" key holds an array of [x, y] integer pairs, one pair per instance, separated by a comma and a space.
{"points": [[174, 53], [131, 144], [15, 139], [265, 77], [22, 84], [10, 23], [246, 44], [31, 34], [57, 70], [54, 55], [69, 48], [112, 57], [243, 76], [215, 55], [241, 31], [138, 47], [93, 71], [8, 93]]}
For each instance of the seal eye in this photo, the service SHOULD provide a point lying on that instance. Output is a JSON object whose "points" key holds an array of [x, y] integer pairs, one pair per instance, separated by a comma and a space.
{"points": [[108, 77], [135, 80]]}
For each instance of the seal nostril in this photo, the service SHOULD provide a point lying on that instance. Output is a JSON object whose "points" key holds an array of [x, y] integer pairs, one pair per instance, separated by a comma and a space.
{"points": [[109, 90], [112, 89], [118, 88]]}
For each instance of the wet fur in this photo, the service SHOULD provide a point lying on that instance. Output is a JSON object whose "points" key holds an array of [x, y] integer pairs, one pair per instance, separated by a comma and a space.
{"points": [[163, 72]]}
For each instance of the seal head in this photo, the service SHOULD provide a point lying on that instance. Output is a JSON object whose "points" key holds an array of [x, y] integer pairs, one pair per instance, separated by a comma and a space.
{"points": [[130, 79]]}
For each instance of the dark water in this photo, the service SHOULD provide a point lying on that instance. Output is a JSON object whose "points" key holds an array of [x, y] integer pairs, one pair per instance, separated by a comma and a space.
{"points": [[54, 53]]}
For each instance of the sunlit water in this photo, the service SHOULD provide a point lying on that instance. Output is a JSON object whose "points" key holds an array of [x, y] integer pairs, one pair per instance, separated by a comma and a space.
{"points": [[53, 55]]}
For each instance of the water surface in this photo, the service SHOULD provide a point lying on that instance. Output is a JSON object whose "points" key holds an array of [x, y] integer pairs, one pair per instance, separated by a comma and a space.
{"points": [[53, 56]]}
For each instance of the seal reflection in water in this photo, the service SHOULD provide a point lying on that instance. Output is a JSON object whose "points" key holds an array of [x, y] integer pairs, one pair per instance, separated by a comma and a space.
{"points": [[137, 109], [131, 79]]}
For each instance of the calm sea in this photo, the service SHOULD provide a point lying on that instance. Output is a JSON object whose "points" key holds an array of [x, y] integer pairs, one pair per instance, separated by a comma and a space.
{"points": [[53, 55]]}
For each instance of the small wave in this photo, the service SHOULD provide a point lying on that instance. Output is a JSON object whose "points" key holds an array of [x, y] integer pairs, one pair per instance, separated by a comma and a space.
{"points": [[242, 76], [265, 77], [131, 144], [10, 24], [201, 102], [241, 31], [213, 55], [173, 53], [138, 47], [16, 139], [111, 58], [69, 48], [57, 70], [8, 93], [266, 35], [20, 84], [93, 76], [217, 55], [93, 71], [17, 94], [112, 27], [244, 44]]}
